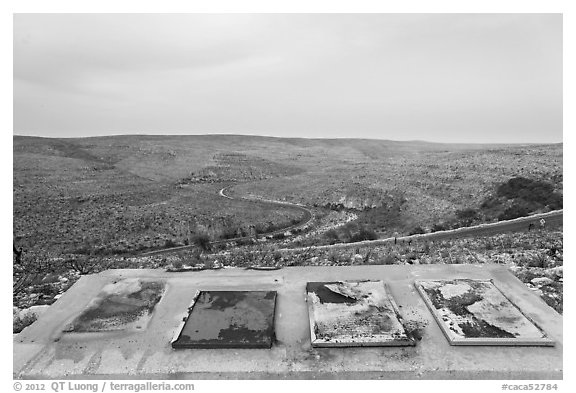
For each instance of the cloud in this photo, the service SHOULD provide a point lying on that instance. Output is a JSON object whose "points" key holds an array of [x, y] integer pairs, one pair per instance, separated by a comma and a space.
{"points": [[412, 76]]}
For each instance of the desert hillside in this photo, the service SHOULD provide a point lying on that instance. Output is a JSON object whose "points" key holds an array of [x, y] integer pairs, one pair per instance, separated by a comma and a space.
{"points": [[135, 193], [88, 204]]}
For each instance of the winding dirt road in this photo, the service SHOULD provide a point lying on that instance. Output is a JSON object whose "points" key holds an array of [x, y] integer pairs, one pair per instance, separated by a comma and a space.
{"points": [[553, 218], [308, 216]]}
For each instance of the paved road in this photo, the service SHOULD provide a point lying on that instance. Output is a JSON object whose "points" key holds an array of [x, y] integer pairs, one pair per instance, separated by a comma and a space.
{"points": [[502, 227], [308, 215], [552, 219]]}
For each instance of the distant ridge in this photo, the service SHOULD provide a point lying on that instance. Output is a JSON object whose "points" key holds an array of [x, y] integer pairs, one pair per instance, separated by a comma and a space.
{"points": [[292, 140]]}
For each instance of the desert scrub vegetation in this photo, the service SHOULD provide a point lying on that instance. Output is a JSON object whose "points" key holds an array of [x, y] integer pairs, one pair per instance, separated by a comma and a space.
{"points": [[20, 320], [517, 197], [418, 189], [351, 232], [137, 193], [83, 205], [55, 210], [535, 257], [520, 196], [539, 192], [38, 280], [41, 278]]}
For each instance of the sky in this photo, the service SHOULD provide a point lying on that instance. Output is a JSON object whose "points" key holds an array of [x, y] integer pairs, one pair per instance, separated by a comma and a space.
{"points": [[480, 78]]}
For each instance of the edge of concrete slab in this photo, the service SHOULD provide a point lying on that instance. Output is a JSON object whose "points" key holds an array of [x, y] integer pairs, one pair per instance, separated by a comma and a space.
{"points": [[292, 356]]}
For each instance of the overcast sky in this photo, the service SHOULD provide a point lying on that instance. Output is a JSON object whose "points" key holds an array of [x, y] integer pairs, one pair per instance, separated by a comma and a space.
{"points": [[435, 77]]}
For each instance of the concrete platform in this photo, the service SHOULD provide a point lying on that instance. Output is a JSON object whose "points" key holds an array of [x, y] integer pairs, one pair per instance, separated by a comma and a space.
{"points": [[44, 351]]}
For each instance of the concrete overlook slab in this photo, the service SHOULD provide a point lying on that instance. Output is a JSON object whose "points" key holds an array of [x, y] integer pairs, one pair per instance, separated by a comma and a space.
{"points": [[44, 350]]}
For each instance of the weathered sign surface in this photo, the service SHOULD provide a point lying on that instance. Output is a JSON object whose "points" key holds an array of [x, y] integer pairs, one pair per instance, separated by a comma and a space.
{"points": [[476, 312], [229, 319], [123, 305], [354, 313]]}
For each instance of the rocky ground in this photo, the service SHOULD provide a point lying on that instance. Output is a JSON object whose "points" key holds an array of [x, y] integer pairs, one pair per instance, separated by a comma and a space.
{"points": [[536, 258]]}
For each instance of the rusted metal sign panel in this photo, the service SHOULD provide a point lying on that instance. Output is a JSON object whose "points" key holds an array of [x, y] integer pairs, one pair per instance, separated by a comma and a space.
{"points": [[354, 313], [228, 319], [123, 305], [476, 312]]}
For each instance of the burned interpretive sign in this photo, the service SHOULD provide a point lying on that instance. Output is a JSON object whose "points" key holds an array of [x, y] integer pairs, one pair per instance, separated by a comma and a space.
{"points": [[228, 319], [123, 305], [476, 312], [354, 313]]}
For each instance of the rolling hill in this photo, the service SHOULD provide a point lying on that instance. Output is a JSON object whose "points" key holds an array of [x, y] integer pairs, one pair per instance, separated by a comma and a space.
{"points": [[140, 192]]}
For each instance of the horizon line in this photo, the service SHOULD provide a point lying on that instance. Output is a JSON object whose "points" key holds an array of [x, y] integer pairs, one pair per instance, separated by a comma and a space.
{"points": [[287, 137]]}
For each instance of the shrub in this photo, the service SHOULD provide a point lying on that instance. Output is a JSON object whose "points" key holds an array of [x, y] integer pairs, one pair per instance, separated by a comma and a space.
{"points": [[202, 240], [514, 211], [538, 260], [333, 255], [389, 259], [490, 202], [86, 265], [169, 243], [331, 234], [466, 216], [426, 248], [364, 234], [554, 202], [18, 324], [344, 258], [417, 231], [466, 213], [228, 233], [244, 242], [48, 290], [531, 191], [411, 255], [439, 227]]}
